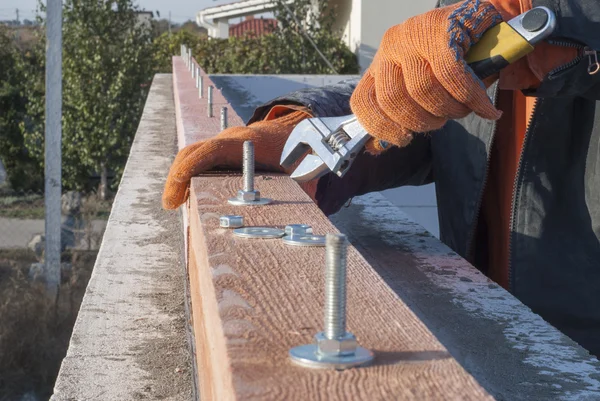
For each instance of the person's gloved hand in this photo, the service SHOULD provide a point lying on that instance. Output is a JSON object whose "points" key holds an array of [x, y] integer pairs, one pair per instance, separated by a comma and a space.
{"points": [[225, 151], [419, 79]]}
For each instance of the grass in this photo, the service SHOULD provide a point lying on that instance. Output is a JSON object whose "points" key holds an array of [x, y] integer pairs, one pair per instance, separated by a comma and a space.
{"points": [[34, 333], [22, 207], [31, 206]]}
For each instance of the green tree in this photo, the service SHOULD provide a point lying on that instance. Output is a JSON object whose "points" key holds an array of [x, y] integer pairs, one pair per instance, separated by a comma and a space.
{"points": [[107, 70], [24, 173], [287, 50]]}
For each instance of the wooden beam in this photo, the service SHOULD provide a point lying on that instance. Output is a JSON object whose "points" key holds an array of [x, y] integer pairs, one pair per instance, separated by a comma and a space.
{"points": [[253, 300], [256, 299]]}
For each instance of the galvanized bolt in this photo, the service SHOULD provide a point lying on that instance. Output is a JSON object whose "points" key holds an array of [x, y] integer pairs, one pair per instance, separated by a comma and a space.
{"points": [[248, 196], [334, 348], [231, 221], [302, 235], [335, 285], [200, 87], [223, 118], [248, 166], [210, 100], [298, 229]]}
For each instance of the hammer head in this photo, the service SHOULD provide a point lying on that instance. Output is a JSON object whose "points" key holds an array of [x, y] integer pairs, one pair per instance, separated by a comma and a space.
{"points": [[335, 142]]}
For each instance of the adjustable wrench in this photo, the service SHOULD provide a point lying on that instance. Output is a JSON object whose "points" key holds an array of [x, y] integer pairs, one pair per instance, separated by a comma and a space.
{"points": [[336, 141]]}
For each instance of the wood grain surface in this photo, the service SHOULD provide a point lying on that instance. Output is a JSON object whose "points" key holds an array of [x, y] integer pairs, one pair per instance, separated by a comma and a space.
{"points": [[255, 299]]}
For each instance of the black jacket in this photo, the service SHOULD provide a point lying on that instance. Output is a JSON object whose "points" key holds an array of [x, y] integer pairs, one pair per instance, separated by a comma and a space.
{"points": [[555, 231]]}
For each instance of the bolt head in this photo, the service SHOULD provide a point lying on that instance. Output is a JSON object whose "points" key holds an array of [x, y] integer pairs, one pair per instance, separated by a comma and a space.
{"points": [[231, 221], [298, 229], [248, 196], [341, 346]]}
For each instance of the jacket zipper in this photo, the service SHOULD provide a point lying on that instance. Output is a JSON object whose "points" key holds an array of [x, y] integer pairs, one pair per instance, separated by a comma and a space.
{"points": [[471, 241], [593, 68], [593, 64], [515, 194]]}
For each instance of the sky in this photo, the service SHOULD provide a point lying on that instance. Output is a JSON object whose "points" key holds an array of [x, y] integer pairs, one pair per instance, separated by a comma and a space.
{"points": [[181, 10]]}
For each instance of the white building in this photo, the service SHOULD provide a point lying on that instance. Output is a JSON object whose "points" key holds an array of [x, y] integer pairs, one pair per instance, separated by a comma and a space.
{"points": [[362, 22]]}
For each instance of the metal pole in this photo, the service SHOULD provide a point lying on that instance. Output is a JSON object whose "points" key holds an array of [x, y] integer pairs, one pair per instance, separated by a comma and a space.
{"points": [[197, 77], [210, 89], [201, 87], [52, 151]]}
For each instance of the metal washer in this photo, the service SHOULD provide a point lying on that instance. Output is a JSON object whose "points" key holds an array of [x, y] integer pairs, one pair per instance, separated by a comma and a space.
{"points": [[259, 232], [308, 357], [304, 240], [240, 202]]}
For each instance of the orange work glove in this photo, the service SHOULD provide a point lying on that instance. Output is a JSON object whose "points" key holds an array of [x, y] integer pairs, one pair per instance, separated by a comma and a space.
{"points": [[419, 80], [225, 151]]}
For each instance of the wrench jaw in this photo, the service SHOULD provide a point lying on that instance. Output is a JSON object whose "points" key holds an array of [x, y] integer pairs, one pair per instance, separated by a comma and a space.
{"points": [[335, 142], [311, 168], [298, 144]]}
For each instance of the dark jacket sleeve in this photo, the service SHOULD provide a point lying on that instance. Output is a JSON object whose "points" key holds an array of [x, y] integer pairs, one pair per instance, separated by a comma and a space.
{"points": [[326, 101], [410, 165]]}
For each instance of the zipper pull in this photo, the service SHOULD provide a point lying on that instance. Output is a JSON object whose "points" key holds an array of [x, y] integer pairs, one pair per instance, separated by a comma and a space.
{"points": [[594, 65]]}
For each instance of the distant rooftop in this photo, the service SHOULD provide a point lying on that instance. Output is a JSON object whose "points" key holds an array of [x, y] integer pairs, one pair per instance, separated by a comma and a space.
{"points": [[254, 26]]}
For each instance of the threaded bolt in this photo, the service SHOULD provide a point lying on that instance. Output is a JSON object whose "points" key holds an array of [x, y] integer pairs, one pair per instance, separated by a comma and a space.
{"points": [[334, 348], [210, 100], [335, 285], [223, 118], [248, 166], [247, 195]]}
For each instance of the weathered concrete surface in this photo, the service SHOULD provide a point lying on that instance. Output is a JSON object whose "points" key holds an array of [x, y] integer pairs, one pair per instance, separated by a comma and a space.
{"points": [[512, 352], [129, 341]]}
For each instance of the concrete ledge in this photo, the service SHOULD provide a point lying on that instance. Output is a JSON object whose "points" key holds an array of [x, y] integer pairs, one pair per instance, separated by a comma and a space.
{"points": [[129, 341], [512, 352]]}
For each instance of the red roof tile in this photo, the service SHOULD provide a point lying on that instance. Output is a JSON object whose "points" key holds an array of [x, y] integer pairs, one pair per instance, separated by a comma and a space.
{"points": [[255, 26]]}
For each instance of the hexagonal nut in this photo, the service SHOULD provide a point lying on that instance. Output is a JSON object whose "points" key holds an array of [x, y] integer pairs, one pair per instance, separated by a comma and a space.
{"points": [[248, 196], [231, 221], [345, 345], [298, 229]]}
